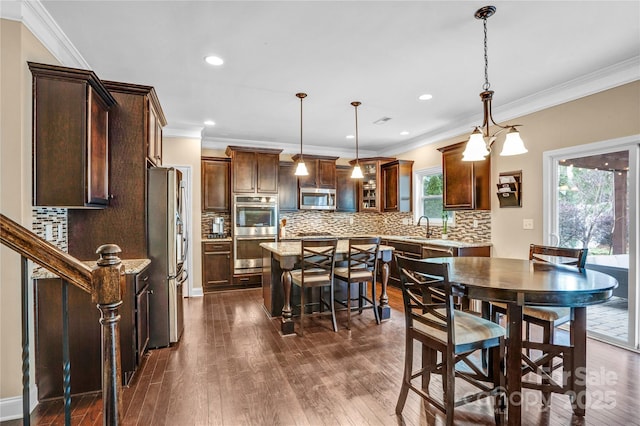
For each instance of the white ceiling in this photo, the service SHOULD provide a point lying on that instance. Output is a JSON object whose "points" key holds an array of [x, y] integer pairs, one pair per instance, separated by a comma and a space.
{"points": [[382, 53]]}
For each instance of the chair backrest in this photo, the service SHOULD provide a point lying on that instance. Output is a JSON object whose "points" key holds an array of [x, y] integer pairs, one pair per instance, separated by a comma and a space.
{"points": [[558, 255], [423, 286], [363, 253], [318, 255]]}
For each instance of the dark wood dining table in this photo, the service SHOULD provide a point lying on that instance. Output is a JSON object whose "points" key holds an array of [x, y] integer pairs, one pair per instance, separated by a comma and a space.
{"points": [[519, 282]]}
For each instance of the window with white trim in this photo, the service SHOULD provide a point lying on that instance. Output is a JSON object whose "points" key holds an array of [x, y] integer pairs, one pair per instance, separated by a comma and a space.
{"points": [[428, 196]]}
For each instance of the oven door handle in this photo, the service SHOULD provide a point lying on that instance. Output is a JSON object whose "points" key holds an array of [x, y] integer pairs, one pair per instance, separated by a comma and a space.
{"points": [[265, 205]]}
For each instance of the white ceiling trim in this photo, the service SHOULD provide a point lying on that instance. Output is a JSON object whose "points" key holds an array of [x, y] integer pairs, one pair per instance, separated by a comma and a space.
{"points": [[287, 148], [38, 20]]}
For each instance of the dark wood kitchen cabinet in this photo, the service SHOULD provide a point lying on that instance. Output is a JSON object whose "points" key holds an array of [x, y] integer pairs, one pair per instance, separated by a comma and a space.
{"points": [[466, 183], [322, 171], [70, 137], [125, 221], [346, 190], [397, 186], [85, 339], [217, 264], [216, 186], [254, 170], [287, 187], [156, 122], [369, 187]]}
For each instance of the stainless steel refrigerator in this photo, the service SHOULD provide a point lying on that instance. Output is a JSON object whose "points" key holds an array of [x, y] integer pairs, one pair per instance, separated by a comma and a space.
{"points": [[167, 243]]}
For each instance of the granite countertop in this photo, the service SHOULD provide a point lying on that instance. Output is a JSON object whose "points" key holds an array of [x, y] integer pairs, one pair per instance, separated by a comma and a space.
{"points": [[402, 238], [131, 266], [433, 241]]}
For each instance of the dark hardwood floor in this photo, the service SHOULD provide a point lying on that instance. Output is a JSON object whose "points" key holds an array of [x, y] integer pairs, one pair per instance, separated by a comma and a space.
{"points": [[232, 367]]}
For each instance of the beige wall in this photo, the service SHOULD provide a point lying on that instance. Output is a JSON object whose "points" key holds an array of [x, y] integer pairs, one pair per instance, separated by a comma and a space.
{"points": [[17, 46], [606, 115], [187, 152]]}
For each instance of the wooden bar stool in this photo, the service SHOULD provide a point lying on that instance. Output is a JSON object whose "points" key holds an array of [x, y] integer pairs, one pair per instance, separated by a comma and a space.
{"points": [[450, 332], [362, 268], [547, 317], [316, 271]]}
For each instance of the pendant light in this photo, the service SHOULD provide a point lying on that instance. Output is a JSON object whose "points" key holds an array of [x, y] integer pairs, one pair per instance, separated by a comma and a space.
{"points": [[301, 169], [480, 141], [357, 171]]}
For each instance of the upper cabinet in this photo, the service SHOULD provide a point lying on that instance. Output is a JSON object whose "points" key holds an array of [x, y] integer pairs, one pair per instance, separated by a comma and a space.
{"points": [[322, 171], [369, 188], [287, 187], [397, 186], [216, 186], [70, 137], [346, 190], [155, 123], [466, 183], [254, 170], [125, 221]]}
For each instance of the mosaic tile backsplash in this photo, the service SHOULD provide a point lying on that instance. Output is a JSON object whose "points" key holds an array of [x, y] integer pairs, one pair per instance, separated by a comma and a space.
{"points": [[335, 223], [51, 224]]}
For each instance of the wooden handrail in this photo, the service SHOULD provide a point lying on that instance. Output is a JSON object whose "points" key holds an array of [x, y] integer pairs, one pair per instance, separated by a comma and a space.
{"points": [[44, 254], [104, 283]]}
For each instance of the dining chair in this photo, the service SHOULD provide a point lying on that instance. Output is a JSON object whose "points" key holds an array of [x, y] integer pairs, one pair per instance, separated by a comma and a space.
{"points": [[454, 334], [361, 268], [548, 318], [317, 266]]}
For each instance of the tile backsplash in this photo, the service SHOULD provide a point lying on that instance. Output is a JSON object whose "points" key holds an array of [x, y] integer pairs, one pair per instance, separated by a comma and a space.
{"points": [[336, 223], [50, 224]]}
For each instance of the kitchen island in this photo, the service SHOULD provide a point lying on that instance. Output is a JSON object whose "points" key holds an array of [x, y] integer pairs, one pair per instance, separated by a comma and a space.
{"points": [[280, 258]]}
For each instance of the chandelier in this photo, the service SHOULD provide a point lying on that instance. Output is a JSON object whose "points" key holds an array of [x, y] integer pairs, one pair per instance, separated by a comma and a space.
{"points": [[480, 141]]}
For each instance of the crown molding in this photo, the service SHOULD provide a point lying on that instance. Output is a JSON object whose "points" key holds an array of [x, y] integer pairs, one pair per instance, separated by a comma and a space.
{"points": [[38, 20], [606, 78], [180, 132], [287, 148]]}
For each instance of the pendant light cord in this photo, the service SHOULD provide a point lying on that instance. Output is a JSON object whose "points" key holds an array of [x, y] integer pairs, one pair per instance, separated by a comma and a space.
{"points": [[486, 84], [356, 105]]}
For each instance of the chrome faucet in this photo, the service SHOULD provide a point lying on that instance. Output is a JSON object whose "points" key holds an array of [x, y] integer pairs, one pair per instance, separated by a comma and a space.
{"points": [[429, 232]]}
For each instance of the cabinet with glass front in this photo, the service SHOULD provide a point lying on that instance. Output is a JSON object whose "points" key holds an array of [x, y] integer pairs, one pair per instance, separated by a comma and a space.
{"points": [[370, 186]]}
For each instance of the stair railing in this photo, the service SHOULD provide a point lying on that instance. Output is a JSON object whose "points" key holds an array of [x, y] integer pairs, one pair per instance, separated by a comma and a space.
{"points": [[104, 282]]}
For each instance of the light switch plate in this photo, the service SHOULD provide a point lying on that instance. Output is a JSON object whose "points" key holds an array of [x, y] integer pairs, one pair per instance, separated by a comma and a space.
{"points": [[527, 223]]}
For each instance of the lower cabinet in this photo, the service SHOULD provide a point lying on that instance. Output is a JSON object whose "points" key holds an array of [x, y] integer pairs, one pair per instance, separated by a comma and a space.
{"points": [[216, 265], [412, 250], [424, 251], [85, 352]]}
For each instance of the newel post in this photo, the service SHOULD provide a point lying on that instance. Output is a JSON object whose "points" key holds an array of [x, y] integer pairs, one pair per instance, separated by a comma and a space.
{"points": [[108, 282]]}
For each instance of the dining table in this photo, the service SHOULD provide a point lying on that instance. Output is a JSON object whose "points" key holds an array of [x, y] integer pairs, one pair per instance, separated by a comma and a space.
{"points": [[517, 283], [287, 255]]}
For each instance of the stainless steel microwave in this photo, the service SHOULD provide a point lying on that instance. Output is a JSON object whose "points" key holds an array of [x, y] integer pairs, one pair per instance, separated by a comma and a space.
{"points": [[317, 199]]}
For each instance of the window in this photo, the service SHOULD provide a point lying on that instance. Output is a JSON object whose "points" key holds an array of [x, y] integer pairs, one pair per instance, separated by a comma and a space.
{"points": [[428, 200]]}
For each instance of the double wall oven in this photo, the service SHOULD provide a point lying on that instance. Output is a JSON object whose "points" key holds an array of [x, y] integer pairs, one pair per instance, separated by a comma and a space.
{"points": [[255, 220]]}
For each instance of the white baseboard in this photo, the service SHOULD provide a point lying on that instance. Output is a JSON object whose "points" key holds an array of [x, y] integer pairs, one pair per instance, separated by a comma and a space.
{"points": [[11, 408], [197, 292]]}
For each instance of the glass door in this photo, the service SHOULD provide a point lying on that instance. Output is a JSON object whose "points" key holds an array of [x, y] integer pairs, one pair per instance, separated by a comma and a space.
{"points": [[593, 193]]}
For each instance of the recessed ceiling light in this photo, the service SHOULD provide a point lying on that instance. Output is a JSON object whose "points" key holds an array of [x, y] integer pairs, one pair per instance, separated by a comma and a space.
{"points": [[404, 133], [209, 123], [350, 136], [214, 60], [425, 97]]}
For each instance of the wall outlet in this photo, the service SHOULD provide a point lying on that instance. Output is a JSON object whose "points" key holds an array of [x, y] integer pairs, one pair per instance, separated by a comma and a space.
{"points": [[527, 223], [475, 223], [405, 221], [350, 220]]}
